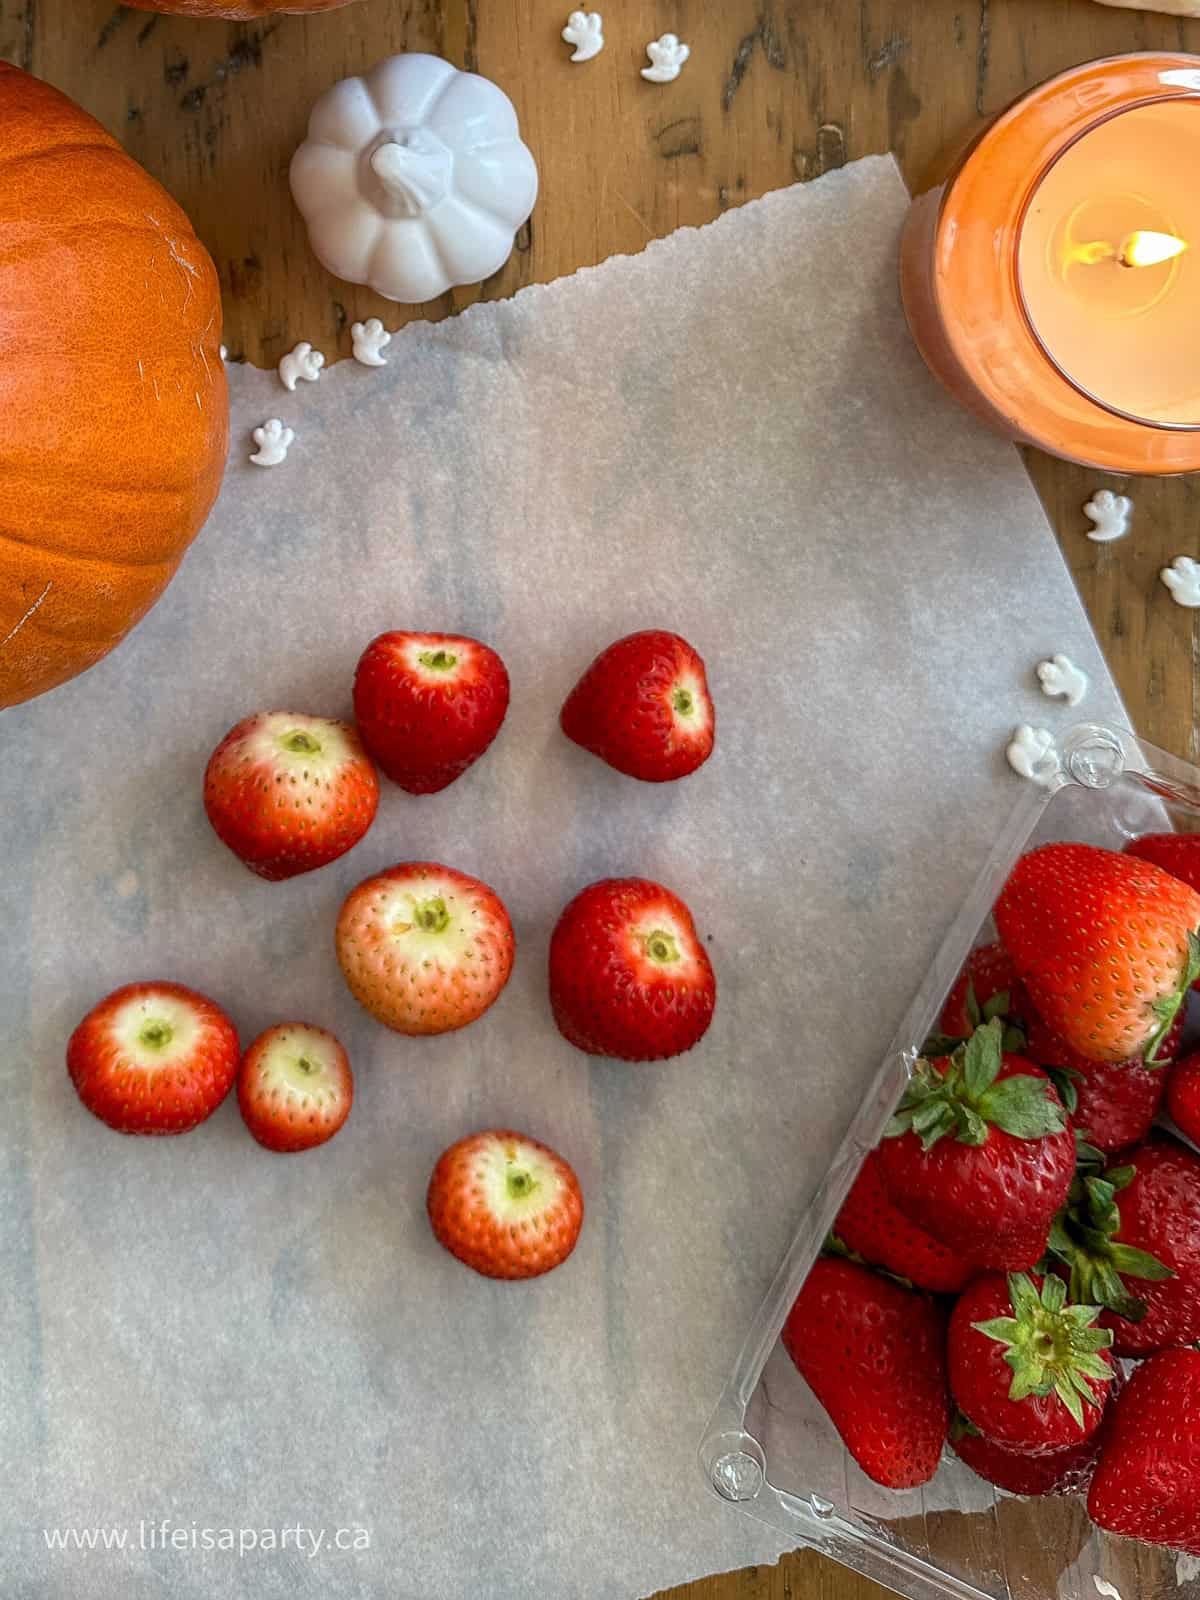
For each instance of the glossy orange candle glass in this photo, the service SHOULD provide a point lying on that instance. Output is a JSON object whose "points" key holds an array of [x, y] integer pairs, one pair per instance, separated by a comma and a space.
{"points": [[1051, 274]]}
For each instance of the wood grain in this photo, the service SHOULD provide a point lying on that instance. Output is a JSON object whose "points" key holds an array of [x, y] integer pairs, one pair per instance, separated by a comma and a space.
{"points": [[775, 91]]}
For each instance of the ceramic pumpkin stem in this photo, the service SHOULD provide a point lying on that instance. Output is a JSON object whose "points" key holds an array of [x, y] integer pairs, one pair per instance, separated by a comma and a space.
{"points": [[414, 169]]}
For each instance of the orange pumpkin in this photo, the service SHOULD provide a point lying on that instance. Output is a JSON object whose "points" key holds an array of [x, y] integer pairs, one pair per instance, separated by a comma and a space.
{"points": [[237, 9], [114, 412]]}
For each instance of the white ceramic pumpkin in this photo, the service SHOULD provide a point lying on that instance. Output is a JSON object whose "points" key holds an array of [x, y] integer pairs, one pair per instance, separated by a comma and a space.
{"points": [[413, 178]]}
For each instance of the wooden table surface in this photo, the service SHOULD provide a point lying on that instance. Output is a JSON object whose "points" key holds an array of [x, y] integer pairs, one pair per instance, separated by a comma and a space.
{"points": [[773, 93]]}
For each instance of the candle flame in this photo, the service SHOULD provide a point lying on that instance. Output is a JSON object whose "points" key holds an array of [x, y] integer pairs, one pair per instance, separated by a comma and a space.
{"points": [[1151, 249]]}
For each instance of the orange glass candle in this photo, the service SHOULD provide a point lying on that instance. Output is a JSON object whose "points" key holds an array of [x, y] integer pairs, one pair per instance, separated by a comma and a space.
{"points": [[1051, 277]]}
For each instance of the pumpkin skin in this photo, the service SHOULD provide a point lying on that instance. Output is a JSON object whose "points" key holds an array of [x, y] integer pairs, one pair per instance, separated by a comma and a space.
{"points": [[114, 410], [238, 10]]}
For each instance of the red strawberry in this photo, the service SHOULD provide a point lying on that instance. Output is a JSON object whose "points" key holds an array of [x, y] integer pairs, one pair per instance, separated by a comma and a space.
{"points": [[1158, 1218], [1106, 945], [873, 1353], [428, 705], [628, 974], [505, 1205], [1147, 1482], [983, 989], [1061, 1472], [644, 707], [153, 1058], [1028, 1369], [288, 793], [1111, 1103], [424, 948], [870, 1226], [1176, 853], [980, 1153], [295, 1087], [1183, 1096]]}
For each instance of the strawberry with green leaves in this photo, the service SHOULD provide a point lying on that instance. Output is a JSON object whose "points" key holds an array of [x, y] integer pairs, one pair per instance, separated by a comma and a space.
{"points": [[1183, 1097], [873, 1353], [986, 987], [980, 1153], [1147, 1482], [871, 1228], [1107, 945], [1027, 1367]]}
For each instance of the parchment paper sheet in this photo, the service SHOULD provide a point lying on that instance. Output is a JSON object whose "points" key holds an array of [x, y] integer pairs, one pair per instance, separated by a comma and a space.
{"points": [[732, 436]]}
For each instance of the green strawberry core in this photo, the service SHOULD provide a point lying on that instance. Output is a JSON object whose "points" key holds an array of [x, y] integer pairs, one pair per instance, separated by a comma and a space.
{"points": [[431, 916], [519, 1183], [1051, 1346], [684, 702], [437, 660], [155, 1035], [661, 947], [301, 743]]}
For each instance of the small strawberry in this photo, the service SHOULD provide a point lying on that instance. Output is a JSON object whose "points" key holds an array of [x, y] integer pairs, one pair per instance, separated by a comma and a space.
{"points": [[288, 793], [294, 1087], [153, 1058], [1061, 1472], [873, 1353], [424, 948], [644, 707], [428, 705], [1183, 1096], [1106, 944], [1111, 1103], [980, 1153], [628, 974], [983, 989], [1147, 1482], [1176, 853], [1103, 1269], [1158, 1218], [1028, 1369], [505, 1205], [871, 1227]]}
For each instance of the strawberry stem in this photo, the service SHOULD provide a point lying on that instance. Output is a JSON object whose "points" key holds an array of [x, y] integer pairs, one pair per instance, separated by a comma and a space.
{"points": [[661, 947], [437, 660], [1051, 1346]]}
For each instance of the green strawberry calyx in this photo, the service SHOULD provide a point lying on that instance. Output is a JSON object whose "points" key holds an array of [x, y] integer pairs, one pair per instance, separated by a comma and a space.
{"points": [[941, 1044], [1083, 1236], [1051, 1346], [1165, 1009], [961, 1096]]}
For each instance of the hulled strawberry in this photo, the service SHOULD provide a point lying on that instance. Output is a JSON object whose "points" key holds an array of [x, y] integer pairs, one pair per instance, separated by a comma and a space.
{"points": [[288, 793], [505, 1205], [1147, 1482], [980, 1153], [424, 948], [428, 705], [1183, 1096], [1106, 944], [295, 1087], [870, 1226], [629, 976], [153, 1058], [1029, 1369], [873, 1353], [644, 707], [1061, 1472], [1111, 1103]]}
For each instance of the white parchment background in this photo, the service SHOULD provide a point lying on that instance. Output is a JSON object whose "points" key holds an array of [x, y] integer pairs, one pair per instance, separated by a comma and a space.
{"points": [[731, 436]]}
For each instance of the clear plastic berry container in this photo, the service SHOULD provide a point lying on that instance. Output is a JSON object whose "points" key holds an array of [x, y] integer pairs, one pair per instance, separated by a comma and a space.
{"points": [[770, 1449]]}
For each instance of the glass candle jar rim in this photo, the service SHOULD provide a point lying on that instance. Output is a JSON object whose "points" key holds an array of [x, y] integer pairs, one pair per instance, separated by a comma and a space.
{"points": [[1035, 188], [973, 286]]}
